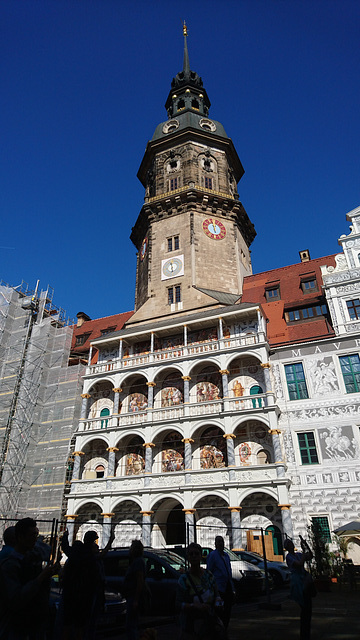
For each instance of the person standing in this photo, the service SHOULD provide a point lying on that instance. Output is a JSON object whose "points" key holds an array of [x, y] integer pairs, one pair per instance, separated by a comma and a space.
{"points": [[25, 586], [301, 586], [134, 588], [218, 562]]}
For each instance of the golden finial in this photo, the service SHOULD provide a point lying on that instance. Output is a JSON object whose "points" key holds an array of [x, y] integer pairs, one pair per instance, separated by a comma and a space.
{"points": [[185, 29]]}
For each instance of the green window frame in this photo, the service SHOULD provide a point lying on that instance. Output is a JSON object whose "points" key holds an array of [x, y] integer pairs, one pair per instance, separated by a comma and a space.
{"points": [[296, 382], [350, 368], [320, 525], [307, 447]]}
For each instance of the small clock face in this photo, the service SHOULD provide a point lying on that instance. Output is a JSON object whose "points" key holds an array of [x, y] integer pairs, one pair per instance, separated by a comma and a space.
{"points": [[143, 249], [214, 229], [172, 267]]}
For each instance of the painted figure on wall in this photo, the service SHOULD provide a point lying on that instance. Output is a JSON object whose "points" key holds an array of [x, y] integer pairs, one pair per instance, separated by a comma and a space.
{"points": [[205, 335], [141, 348], [137, 402], [135, 464], [172, 457], [213, 452], [171, 392], [208, 387]]}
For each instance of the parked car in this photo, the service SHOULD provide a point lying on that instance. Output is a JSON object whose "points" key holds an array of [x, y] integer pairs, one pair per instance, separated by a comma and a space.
{"points": [[247, 578], [279, 571], [162, 567]]}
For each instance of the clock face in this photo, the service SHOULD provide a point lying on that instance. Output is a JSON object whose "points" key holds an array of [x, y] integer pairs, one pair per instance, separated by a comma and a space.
{"points": [[143, 249], [214, 229], [172, 267]]}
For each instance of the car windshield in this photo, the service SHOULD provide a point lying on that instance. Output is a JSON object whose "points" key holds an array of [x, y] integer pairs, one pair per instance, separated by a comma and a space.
{"points": [[177, 562], [233, 557]]}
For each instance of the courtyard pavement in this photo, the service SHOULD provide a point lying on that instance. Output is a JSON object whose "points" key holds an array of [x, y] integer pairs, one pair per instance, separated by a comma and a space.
{"points": [[336, 616]]}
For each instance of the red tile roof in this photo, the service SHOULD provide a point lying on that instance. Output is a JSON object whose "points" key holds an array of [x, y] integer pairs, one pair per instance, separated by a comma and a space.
{"points": [[92, 329], [291, 297]]}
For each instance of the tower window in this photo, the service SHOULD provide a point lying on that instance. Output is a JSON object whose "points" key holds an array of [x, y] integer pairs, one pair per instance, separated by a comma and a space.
{"points": [[208, 183], [174, 183], [174, 294], [195, 104], [173, 243], [181, 105]]}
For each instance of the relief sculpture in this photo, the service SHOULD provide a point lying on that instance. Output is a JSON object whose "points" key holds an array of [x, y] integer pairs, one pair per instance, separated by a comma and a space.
{"points": [[335, 444]]}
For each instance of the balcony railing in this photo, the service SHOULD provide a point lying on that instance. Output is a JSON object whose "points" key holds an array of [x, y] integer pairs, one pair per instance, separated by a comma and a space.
{"points": [[252, 404], [190, 350], [256, 474]]}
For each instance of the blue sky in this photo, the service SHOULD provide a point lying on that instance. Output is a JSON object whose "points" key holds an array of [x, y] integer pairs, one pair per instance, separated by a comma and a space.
{"points": [[84, 84]]}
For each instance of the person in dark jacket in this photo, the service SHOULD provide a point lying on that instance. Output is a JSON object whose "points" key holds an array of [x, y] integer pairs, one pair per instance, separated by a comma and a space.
{"points": [[218, 563]]}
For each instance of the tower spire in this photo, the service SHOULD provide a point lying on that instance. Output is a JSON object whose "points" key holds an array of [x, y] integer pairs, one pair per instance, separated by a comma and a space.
{"points": [[186, 65]]}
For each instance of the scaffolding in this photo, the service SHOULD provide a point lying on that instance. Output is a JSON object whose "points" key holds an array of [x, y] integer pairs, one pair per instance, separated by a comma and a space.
{"points": [[39, 402]]}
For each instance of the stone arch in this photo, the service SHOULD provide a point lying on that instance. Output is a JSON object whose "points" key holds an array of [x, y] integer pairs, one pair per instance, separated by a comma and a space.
{"points": [[169, 521], [130, 459], [213, 518], [102, 397], [208, 168], [206, 383], [134, 395], [246, 377], [88, 518], [95, 454], [209, 447], [252, 437], [259, 509], [90, 385], [128, 521], [169, 388], [168, 453]]}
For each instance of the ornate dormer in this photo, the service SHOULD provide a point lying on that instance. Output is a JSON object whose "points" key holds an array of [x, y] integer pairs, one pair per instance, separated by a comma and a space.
{"points": [[342, 282]]}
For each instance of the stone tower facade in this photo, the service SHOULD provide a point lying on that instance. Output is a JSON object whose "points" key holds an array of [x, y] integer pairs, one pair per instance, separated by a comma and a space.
{"points": [[192, 220]]}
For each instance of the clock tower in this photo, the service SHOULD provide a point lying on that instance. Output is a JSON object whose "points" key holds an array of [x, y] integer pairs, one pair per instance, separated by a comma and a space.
{"points": [[192, 233]]}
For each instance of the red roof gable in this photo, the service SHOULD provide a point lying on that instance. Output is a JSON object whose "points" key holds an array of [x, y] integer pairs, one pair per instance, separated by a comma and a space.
{"points": [[292, 296], [92, 329]]}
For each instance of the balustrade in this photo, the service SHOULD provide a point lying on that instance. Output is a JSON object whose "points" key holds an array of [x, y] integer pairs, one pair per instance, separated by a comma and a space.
{"points": [[253, 403], [196, 349]]}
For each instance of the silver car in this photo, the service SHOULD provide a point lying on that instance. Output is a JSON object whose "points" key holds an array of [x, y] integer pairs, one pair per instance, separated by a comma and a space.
{"points": [[278, 570]]}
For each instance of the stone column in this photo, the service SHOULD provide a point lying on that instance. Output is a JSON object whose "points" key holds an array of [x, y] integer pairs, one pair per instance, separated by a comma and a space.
{"points": [[76, 467], [106, 528], [146, 527], [186, 389], [90, 355], [117, 392], [225, 383], [235, 526], [85, 406], [120, 350], [185, 335], [190, 524], [221, 333], [286, 520], [187, 453], [229, 437], [268, 388], [280, 465], [148, 456], [111, 461], [152, 342], [150, 386], [70, 525]]}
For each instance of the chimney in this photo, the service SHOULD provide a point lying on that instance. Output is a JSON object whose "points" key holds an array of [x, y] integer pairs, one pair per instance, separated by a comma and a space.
{"points": [[304, 255], [81, 318]]}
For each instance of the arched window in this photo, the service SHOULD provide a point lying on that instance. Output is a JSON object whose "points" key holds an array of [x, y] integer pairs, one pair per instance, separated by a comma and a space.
{"points": [[181, 105], [195, 104], [254, 391], [104, 412], [263, 457], [100, 471]]}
